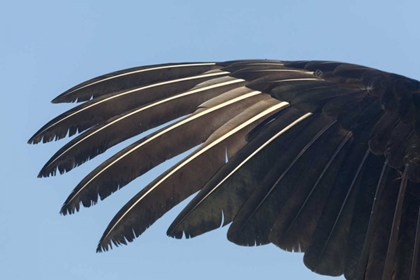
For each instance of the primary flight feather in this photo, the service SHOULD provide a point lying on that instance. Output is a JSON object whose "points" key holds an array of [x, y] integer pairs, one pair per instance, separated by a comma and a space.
{"points": [[313, 156]]}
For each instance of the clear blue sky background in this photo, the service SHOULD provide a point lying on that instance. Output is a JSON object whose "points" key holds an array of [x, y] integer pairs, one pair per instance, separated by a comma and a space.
{"points": [[49, 46]]}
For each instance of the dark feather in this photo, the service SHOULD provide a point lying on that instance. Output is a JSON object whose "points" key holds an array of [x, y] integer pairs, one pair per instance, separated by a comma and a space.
{"points": [[364, 216], [326, 252], [185, 178], [256, 217], [132, 78], [297, 220], [117, 129], [383, 223], [128, 164], [221, 198], [405, 253], [113, 104], [314, 156]]}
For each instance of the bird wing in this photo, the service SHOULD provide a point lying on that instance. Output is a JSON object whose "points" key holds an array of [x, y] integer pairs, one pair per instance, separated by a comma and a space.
{"points": [[313, 156]]}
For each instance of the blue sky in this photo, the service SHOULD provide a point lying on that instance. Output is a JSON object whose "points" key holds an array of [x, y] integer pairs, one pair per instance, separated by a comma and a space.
{"points": [[48, 46]]}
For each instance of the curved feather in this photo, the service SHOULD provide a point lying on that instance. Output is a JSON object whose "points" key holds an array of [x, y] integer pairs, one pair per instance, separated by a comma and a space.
{"points": [[158, 197], [393, 238], [363, 225], [132, 78], [98, 139], [229, 188], [253, 223], [296, 223], [332, 213], [326, 252], [128, 164], [113, 104]]}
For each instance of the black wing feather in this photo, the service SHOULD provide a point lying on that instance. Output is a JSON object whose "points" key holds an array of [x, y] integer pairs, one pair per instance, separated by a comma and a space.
{"points": [[256, 217], [259, 124]]}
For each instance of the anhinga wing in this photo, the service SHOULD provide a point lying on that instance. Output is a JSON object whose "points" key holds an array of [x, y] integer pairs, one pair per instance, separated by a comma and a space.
{"points": [[313, 156]]}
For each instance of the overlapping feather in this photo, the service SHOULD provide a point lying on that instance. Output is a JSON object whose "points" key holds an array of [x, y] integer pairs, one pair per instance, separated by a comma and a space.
{"points": [[352, 130]]}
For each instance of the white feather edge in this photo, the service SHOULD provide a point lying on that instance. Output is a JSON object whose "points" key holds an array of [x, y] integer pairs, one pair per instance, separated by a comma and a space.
{"points": [[140, 71], [219, 73], [244, 161], [270, 110], [162, 132], [115, 122]]}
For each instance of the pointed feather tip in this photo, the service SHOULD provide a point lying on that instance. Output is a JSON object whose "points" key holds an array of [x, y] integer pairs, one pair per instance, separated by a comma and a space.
{"points": [[69, 96], [101, 248], [178, 234], [105, 246], [43, 174], [46, 134], [174, 231], [64, 97], [51, 171], [67, 164], [32, 141], [72, 207], [66, 210], [38, 138], [179, 230], [48, 171], [46, 137]]}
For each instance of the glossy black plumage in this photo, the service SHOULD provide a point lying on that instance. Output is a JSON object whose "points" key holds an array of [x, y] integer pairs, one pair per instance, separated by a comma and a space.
{"points": [[313, 156]]}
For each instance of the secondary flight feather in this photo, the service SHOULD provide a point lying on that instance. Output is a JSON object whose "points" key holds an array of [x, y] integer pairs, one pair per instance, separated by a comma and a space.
{"points": [[313, 156]]}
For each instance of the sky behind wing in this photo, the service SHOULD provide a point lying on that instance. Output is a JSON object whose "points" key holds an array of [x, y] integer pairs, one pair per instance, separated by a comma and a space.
{"points": [[49, 46]]}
